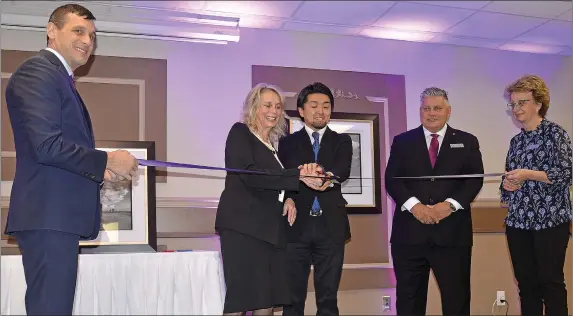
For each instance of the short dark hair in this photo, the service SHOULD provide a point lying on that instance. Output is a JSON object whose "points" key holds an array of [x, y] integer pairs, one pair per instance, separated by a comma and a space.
{"points": [[58, 16], [317, 87]]}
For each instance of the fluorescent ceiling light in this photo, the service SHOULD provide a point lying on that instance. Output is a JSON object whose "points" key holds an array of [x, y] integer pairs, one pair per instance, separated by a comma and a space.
{"points": [[202, 33], [397, 34], [531, 48]]}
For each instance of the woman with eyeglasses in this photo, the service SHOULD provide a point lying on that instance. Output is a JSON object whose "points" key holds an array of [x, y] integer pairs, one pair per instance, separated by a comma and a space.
{"points": [[536, 189]]}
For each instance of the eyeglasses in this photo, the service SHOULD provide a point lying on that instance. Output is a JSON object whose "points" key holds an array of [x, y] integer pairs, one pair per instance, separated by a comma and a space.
{"points": [[519, 104]]}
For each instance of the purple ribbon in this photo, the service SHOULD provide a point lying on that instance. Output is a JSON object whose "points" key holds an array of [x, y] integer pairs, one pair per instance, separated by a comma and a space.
{"points": [[158, 163]]}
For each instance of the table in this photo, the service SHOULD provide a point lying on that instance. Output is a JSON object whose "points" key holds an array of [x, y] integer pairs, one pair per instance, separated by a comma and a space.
{"points": [[164, 283]]}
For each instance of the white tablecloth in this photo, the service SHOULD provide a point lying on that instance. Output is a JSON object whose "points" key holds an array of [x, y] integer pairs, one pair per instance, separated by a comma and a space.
{"points": [[184, 283]]}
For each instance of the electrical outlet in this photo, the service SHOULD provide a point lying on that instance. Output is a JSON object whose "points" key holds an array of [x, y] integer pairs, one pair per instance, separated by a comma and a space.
{"points": [[385, 303], [500, 297]]}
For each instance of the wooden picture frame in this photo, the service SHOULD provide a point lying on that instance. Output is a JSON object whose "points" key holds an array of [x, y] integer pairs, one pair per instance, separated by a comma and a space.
{"points": [[363, 190], [128, 207]]}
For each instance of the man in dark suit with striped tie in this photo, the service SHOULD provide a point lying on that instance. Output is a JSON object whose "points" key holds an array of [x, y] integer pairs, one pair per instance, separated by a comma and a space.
{"points": [[319, 234], [432, 226], [54, 200]]}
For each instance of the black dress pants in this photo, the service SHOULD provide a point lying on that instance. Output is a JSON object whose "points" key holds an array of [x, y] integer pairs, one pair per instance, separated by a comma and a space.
{"points": [[315, 247], [451, 266], [538, 259]]}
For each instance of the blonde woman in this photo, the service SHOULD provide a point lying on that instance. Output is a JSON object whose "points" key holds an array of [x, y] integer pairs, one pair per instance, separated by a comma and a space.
{"points": [[536, 188], [252, 217]]}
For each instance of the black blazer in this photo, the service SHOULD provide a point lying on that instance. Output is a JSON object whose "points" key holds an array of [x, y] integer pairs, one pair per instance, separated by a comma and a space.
{"points": [[409, 157], [58, 169], [335, 155], [250, 203]]}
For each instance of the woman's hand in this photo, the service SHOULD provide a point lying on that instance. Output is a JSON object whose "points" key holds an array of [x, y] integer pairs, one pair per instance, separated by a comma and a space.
{"points": [[511, 186], [289, 209], [518, 176]]}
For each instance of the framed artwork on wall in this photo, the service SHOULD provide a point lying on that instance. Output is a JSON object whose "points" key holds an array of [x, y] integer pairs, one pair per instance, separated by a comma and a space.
{"points": [[128, 215], [363, 190]]}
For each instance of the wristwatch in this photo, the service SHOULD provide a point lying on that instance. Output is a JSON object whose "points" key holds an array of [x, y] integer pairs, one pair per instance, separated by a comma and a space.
{"points": [[452, 207]]}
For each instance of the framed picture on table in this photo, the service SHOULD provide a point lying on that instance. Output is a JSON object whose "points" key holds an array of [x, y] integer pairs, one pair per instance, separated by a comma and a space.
{"points": [[363, 190], [128, 215]]}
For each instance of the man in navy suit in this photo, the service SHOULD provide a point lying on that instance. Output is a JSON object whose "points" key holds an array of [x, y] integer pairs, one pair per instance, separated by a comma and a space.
{"points": [[55, 196], [432, 225]]}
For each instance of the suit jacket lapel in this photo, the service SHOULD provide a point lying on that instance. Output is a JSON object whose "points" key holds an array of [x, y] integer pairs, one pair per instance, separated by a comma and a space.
{"points": [[87, 117], [87, 120], [324, 144], [445, 151], [422, 146], [56, 61], [305, 145]]}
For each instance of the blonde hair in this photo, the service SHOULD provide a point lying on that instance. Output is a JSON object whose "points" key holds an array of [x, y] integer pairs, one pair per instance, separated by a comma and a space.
{"points": [[251, 105], [535, 85]]}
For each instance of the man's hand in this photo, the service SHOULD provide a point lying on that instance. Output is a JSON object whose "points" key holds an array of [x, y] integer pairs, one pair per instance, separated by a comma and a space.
{"points": [[289, 209], [423, 213], [312, 175], [112, 176], [440, 211], [122, 163]]}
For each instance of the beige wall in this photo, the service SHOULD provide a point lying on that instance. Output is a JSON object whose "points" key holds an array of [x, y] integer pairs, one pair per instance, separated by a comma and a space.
{"points": [[206, 85]]}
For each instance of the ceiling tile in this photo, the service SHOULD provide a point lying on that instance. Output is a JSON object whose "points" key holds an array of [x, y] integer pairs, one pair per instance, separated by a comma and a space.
{"points": [[320, 28], [396, 34], [494, 25], [342, 12], [465, 41], [540, 9], [552, 33], [282, 9], [531, 48], [566, 16], [421, 17], [457, 4], [259, 22]]}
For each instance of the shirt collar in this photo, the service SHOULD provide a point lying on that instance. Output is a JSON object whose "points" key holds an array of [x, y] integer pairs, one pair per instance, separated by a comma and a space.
{"points": [[441, 132], [309, 131], [61, 58]]}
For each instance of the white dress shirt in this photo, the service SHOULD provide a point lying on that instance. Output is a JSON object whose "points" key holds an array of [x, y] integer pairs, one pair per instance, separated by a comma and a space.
{"points": [[321, 131], [428, 136], [61, 58], [309, 131]]}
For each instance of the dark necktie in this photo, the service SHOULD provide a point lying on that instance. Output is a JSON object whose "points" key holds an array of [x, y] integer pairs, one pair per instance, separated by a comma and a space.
{"points": [[315, 210], [433, 150]]}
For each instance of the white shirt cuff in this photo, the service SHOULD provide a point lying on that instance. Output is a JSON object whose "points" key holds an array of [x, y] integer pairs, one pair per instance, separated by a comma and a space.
{"points": [[407, 206], [455, 203]]}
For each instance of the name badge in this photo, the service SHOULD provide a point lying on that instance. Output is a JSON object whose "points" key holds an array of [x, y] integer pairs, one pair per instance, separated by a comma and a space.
{"points": [[456, 145], [532, 146]]}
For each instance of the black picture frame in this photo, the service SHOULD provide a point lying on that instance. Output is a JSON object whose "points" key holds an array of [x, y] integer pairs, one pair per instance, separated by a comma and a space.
{"points": [[370, 179], [145, 185]]}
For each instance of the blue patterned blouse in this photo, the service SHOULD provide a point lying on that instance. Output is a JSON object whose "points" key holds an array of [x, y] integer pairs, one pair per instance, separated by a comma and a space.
{"points": [[538, 205]]}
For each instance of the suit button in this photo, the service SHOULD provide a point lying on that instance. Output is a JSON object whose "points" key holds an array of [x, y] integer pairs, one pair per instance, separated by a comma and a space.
{"points": [[432, 179], [431, 201]]}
